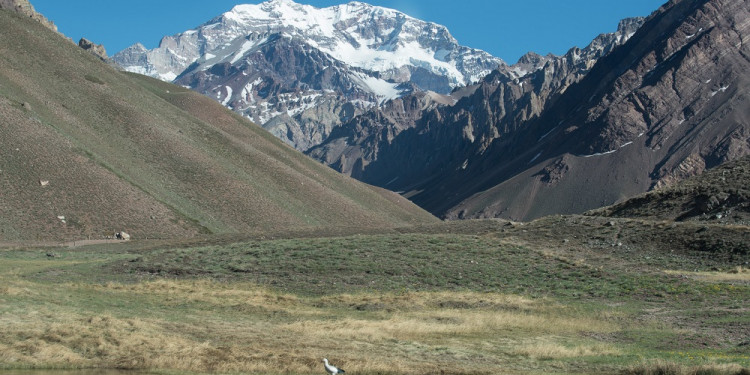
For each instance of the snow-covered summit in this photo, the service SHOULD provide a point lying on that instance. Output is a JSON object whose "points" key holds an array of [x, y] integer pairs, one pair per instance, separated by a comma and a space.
{"points": [[399, 47]]}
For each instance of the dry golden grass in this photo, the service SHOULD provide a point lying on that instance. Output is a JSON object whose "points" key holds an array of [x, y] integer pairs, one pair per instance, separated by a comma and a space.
{"points": [[551, 350], [409, 333], [737, 274]]}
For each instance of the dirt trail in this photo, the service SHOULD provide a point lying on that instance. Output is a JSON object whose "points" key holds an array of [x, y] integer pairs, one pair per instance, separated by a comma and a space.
{"points": [[69, 244]]}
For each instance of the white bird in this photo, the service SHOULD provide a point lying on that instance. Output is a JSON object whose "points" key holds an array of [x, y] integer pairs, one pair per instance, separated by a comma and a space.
{"points": [[333, 370]]}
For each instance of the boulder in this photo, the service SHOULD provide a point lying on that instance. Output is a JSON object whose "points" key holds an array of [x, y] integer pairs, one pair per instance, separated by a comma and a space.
{"points": [[122, 236]]}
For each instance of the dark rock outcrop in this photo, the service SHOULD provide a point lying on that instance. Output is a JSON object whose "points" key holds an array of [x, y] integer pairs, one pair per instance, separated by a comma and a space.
{"points": [[97, 50]]}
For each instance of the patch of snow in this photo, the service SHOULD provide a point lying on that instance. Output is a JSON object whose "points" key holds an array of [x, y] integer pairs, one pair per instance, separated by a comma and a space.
{"points": [[519, 72], [246, 46], [167, 77], [548, 133], [598, 154], [535, 157], [229, 96], [383, 89], [626, 144]]}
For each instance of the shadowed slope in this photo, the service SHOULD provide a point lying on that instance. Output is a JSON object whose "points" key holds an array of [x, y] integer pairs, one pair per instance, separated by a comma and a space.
{"points": [[112, 151]]}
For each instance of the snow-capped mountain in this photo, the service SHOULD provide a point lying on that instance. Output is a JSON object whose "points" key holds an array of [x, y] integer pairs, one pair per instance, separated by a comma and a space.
{"points": [[358, 34], [374, 54]]}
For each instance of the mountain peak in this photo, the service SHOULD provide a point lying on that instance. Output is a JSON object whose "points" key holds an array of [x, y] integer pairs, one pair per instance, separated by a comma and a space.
{"points": [[353, 53], [358, 34]]}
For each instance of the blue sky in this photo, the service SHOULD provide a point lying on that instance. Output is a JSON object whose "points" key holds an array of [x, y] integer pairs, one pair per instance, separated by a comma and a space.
{"points": [[504, 28]]}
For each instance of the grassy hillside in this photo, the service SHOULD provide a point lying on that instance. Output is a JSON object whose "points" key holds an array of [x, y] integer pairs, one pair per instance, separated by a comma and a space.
{"points": [[474, 297], [111, 151]]}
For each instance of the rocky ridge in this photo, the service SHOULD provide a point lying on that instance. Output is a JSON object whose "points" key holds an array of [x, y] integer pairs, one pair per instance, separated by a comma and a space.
{"points": [[97, 49], [670, 102], [25, 8], [470, 120]]}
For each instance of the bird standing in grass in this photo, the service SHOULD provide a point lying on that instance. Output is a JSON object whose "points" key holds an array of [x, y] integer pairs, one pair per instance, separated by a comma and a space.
{"points": [[333, 370]]}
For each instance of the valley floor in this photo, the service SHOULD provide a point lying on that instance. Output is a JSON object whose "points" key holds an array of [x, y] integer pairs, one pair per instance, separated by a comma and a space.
{"points": [[560, 295]]}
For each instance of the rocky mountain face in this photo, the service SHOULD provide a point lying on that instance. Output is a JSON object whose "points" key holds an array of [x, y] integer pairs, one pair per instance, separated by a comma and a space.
{"points": [[465, 124], [374, 54], [669, 103]]}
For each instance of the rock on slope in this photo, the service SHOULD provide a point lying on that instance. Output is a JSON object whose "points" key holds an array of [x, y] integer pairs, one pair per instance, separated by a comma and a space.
{"points": [[88, 150], [371, 51]]}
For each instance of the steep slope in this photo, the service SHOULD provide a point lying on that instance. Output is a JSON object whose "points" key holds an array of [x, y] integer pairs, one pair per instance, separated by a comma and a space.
{"points": [[669, 103], [351, 147], [88, 150], [352, 55], [719, 195], [456, 132]]}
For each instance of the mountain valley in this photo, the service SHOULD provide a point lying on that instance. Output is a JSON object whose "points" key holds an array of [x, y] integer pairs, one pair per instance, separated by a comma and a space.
{"points": [[245, 256]]}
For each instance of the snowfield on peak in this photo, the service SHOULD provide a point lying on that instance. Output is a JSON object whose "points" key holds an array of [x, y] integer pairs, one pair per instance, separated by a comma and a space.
{"points": [[358, 34], [300, 71]]}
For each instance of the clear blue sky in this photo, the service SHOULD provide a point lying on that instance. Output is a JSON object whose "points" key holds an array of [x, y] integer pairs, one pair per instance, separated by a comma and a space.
{"points": [[504, 28]]}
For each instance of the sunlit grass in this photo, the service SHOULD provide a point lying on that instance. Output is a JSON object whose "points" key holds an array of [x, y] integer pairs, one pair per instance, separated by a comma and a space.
{"points": [[267, 307], [738, 273], [409, 333]]}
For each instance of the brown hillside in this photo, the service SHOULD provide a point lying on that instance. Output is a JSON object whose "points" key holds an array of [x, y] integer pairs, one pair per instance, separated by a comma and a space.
{"points": [[112, 151]]}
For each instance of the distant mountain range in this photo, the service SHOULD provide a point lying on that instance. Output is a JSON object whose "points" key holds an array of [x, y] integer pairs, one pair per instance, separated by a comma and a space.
{"points": [[500, 104], [668, 103], [301, 71]]}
